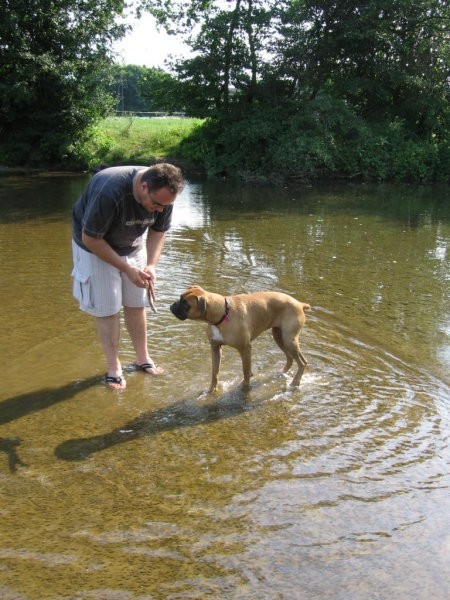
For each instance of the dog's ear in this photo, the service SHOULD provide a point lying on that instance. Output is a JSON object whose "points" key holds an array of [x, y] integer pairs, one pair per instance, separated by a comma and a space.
{"points": [[193, 289], [201, 304]]}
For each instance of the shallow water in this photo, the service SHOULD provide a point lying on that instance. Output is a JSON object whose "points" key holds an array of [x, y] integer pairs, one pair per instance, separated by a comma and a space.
{"points": [[338, 490]]}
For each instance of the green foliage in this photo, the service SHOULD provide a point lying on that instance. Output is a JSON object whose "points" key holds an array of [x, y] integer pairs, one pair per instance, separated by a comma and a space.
{"points": [[125, 88], [321, 138], [52, 72], [291, 89], [228, 47], [161, 91], [305, 88], [387, 59]]}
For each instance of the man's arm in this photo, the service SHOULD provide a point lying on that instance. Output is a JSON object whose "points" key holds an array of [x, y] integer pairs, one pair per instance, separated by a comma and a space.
{"points": [[155, 244]]}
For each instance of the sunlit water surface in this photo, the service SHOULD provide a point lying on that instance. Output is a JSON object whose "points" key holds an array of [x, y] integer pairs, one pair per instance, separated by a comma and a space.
{"points": [[337, 490]]}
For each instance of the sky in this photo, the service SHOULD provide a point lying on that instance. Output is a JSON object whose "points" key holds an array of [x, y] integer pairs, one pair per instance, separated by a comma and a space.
{"points": [[145, 46]]}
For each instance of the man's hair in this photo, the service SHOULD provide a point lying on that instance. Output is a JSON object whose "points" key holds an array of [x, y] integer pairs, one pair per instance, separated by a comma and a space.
{"points": [[164, 175]]}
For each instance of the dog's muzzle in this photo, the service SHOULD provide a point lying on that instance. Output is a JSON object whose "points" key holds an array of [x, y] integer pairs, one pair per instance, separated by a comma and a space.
{"points": [[180, 309]]}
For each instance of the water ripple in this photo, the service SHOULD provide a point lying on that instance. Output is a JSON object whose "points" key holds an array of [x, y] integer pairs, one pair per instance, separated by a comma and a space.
{"points": [[370, 428]]}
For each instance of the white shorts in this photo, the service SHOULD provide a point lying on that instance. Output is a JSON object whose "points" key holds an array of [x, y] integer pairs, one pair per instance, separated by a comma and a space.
{"points": [[100, 288]]}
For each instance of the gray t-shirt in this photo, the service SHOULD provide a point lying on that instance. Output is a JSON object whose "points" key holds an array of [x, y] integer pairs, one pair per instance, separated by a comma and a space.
{"points": [[107, 209]]}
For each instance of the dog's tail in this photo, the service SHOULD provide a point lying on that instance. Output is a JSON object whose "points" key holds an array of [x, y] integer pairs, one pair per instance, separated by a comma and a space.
{"points": [[305, 306]]}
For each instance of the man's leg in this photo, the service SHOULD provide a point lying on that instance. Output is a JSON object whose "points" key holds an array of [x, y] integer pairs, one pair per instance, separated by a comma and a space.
{"points": [[108, 329], [136, 323]]}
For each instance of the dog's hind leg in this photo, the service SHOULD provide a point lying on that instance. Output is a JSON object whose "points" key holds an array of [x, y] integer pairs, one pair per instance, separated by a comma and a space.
{"points": [[278, 337], [290, 345], [301, 362]]}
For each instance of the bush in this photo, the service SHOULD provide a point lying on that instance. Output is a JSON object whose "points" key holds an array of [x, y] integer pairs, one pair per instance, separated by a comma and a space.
{"points": [[319, 139]]}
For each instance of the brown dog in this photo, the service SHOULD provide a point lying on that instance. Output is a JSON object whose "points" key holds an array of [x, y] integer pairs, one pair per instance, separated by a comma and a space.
{"points": [[237, 320]]}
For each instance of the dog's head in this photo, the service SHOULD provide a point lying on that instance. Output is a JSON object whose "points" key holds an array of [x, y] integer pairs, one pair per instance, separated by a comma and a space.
{"points": [[191, 305]]}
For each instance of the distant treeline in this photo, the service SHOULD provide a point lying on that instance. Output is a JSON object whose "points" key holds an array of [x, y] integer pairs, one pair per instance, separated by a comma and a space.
{"points": [[288, 89]]}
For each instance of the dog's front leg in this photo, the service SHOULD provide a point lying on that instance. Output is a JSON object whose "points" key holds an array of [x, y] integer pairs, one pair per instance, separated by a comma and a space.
{"points": [[246, 357], [216, 354]]}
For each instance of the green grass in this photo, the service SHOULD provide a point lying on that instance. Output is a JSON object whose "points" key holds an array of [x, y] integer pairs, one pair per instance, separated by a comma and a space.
{"points": [[133, 139]]}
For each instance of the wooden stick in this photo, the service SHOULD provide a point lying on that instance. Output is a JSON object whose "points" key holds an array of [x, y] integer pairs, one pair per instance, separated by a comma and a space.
{"points": [[151, 295]]}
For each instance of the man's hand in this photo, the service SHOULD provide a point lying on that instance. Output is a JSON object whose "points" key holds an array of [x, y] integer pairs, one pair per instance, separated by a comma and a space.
{"points": [[103, 250], [137, 276]]}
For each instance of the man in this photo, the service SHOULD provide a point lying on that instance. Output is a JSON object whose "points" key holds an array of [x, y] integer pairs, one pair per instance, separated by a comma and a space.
{"points": [[114, 261]]}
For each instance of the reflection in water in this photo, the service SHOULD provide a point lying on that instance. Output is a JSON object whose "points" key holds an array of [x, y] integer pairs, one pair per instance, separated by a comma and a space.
{"points": [[336, 490], [41, 197]]}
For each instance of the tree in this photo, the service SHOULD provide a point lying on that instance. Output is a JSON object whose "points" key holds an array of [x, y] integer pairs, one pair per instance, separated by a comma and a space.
{"points": [[304, 88], [387, 59], [228, 40], [126, 88], [55, 55], [161, 91]]}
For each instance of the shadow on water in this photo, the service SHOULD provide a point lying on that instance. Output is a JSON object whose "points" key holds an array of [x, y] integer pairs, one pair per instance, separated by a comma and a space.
{"points": [[180, 414], [18, 406], [8, 446], [24, 404]]}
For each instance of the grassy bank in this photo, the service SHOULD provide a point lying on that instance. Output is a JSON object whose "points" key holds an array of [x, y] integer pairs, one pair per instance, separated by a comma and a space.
{"points": [[278, 146], [121, 140]]}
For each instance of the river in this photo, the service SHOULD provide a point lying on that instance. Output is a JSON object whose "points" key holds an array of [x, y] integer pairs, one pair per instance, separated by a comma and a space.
{"points": [[337, 490]]}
